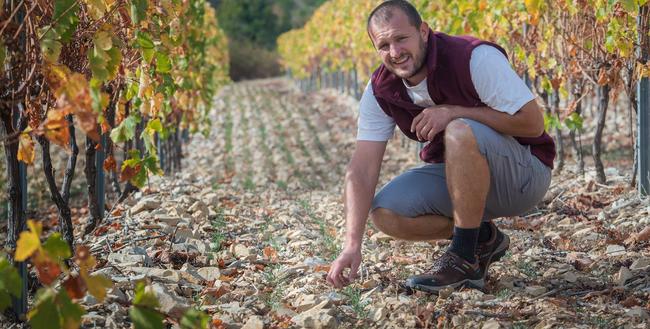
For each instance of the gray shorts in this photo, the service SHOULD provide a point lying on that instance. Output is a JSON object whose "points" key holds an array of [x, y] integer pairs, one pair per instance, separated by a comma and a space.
{"points": [[518, 181]]}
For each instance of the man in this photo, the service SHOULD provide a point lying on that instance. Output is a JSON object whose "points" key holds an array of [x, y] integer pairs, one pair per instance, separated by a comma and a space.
{"points": [[461, 95]]}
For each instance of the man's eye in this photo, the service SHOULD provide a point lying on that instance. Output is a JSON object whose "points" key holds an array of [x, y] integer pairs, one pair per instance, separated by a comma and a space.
{"points": [[383, 47]]}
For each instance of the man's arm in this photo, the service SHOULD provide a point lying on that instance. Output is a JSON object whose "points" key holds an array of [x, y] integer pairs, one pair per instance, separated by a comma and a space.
{"points": [[527, 122], [360, 182]]}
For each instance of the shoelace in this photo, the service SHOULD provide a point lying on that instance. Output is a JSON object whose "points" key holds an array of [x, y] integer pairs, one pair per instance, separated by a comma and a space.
{"points": [[445, 260]]}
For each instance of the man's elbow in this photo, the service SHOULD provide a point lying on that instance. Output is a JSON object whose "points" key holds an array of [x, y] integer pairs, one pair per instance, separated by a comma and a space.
{"points": [[533, 119]]}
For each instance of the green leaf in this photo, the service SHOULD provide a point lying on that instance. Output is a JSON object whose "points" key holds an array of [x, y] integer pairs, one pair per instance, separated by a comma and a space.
{"points": [[629, 5], [97, 61], [138, 10], [44, 315], [69, 312], [50, 45], [195, 319], [65, 18], [145, 318], [163, 63], [131, 90], [125, 130], [56, 247], [10, 283], [155, 125], [113, 64], [146, 45], [103, 40], [151, 163]]}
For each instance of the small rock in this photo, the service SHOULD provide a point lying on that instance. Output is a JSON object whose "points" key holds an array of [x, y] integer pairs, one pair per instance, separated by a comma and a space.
{"points": [[623, 275], [305, 302], [209, 273], [615, 250], [170, 304], [380, 237], [570, 277], [378, 314], [637, 311], [491, 324], [254, 322], [535, 290], [239, 250], [145, 204], [318, 317], [640, 264]]}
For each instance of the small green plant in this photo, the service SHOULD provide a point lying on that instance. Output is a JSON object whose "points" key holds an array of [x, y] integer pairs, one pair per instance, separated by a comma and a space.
{"points": [[249, 185], [329, 247], [527, 268], [282, 184], [359, 306], [219, 224], [504, 293], [274, 287], [600, 322]]}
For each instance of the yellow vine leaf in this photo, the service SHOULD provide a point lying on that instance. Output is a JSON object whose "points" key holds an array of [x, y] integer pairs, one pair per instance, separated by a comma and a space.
{"points": [[97, 285], [29, 241], [26, 148]]}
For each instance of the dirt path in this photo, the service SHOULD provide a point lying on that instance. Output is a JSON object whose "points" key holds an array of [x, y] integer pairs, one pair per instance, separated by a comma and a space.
{"points": [[247, 230]]}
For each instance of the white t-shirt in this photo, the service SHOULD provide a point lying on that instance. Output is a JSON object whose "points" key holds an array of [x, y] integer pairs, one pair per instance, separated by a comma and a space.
{"points": [[496, 83]]}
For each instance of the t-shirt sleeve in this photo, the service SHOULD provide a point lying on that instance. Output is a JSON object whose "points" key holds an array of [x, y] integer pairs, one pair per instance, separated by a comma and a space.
{"points": [[373, 123], [496, 83]]}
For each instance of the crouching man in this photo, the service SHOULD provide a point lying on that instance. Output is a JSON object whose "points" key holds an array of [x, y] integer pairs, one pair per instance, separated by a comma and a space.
{"points": [[487, 157]]}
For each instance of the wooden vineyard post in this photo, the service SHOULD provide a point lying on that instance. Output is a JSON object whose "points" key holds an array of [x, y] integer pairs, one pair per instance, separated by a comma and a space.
{"points": [[100, 186], [643, 99], [20, 304]]}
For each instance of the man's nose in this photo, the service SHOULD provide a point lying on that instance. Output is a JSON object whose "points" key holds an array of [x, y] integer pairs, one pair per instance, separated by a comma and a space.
{"points": [[395, 51]]}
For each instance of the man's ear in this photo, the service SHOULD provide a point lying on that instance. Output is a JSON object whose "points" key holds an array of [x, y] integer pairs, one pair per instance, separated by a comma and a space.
{"points": [[424, 30]]}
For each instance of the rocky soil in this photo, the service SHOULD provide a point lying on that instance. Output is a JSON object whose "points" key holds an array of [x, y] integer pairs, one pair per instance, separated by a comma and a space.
{"points": [[247, 230]]}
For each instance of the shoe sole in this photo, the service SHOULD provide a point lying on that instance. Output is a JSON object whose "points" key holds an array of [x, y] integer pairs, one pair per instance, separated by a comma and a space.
{"points": [[477, 284], [498, 253]]}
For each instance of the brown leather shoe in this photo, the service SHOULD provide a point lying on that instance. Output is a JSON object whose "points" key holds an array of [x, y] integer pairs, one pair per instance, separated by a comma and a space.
{"points": [[450, 270], [493, 249]]}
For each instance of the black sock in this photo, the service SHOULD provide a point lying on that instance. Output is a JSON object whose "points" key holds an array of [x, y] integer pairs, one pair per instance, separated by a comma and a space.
{"points": [[464, 243], [485, 233]]}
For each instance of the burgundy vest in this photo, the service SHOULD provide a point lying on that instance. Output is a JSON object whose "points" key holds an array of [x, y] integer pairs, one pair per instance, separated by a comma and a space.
{"points": [[449, 82]]}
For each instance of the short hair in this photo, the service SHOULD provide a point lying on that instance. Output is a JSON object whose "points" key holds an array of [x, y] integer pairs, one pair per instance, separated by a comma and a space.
{"points": [[385, 11]]}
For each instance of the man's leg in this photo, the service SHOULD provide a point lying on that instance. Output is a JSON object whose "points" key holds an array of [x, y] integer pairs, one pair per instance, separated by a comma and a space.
{"points": [[468, 181], [420, 228]]}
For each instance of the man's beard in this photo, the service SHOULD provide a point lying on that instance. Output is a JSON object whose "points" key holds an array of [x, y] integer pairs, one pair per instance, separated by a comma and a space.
{"points": [[418, 62]]}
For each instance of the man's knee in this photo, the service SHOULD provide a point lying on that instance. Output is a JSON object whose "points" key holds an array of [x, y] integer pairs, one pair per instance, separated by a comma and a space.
{"points": [[459, 135]]}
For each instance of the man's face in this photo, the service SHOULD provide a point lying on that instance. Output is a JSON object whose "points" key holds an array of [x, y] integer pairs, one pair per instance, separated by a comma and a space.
{"points": [[400, 45]]}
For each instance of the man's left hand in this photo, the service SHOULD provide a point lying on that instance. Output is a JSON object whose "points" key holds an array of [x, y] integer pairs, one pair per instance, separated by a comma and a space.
{"points": [[431, 121]]}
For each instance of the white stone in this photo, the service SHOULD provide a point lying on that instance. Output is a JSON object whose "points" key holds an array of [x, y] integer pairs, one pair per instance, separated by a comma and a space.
{"points": [[615, 250], [622, 275], [170, 304], [378, 314], [640, 264], [491, 324], [209, 273], [380, 237], [254, 322], [637, 311], [535, 290], [145, 204], [570, 277]]}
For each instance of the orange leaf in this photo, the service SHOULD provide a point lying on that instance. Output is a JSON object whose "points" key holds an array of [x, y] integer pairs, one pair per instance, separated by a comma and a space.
{"points": [[110, 164], [322, 268], [75, 287], [26, 148], [47, 270], [129, 172], [270, 253]]}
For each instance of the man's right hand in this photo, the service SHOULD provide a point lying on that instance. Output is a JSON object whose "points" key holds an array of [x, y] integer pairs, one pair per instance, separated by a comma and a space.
{"points": [[349, 258]]}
